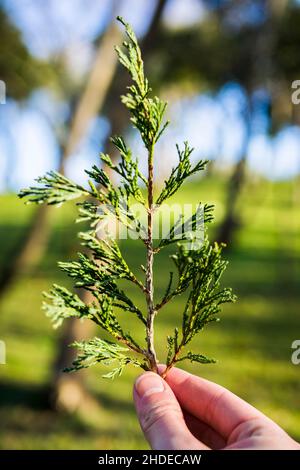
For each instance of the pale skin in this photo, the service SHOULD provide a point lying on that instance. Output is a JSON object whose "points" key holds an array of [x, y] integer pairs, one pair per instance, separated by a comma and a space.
{"points": [[185, 412]]}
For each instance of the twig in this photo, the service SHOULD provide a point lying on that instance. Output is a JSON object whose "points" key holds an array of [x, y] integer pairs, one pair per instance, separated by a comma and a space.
{"points": [[151, 312]]}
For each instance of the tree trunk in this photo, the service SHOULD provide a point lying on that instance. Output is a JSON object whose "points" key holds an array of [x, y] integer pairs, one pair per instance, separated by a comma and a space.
{"points": [[262, 73], [232, 220], [31, 248], [28, 251], [67, 391]]}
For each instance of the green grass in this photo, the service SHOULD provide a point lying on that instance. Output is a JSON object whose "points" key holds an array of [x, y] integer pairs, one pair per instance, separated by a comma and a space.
{"points": [[252, 342]]}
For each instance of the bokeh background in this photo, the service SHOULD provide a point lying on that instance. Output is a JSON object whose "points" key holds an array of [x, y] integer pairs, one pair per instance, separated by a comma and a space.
{"points": [[226, 67]]}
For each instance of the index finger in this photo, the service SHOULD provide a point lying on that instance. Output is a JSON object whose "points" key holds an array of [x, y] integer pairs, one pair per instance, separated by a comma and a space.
{"points": [[210, 402]]}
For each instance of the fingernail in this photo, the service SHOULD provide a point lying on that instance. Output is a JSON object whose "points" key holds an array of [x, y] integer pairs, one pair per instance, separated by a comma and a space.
{"points": [[148, 384]]}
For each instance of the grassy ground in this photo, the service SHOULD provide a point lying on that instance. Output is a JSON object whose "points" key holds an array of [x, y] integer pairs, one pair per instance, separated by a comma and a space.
{"points": [[252, 342]]}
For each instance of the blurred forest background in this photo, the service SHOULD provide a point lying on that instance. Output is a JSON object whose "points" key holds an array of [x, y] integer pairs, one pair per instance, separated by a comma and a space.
{"points": [[226, 67]]}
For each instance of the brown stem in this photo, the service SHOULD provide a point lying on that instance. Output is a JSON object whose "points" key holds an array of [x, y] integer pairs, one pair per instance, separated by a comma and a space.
{"points": [[173, 361], [164, 301], [151, 312], [131, 346]]}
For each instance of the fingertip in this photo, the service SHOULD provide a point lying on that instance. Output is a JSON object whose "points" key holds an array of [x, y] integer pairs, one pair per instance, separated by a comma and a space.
{"points": [[160, 415], [147, 384]]}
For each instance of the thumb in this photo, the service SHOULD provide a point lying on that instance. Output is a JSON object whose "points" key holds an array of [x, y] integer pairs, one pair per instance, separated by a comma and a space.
{"points": [[160, 415]]}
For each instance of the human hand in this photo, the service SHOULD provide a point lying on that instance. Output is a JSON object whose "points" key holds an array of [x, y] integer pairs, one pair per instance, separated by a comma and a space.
{"points": [[186, 412]]}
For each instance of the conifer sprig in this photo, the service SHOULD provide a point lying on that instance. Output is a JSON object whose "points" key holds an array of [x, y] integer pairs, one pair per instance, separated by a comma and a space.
{"points": [[102, 267]]}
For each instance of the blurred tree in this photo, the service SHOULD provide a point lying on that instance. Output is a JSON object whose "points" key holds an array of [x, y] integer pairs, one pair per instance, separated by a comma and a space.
{"points": [[218, 53], [21, 72], [241, 42], [32, 246], [288, 58], [264, 73], [289, 62]]}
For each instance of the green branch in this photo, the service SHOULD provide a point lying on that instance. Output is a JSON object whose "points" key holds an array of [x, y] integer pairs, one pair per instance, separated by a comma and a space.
{"points": [[102, 268]]}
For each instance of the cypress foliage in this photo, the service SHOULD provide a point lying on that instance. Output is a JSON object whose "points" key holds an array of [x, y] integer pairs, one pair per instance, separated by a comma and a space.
{"points": [[198, 268]]}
